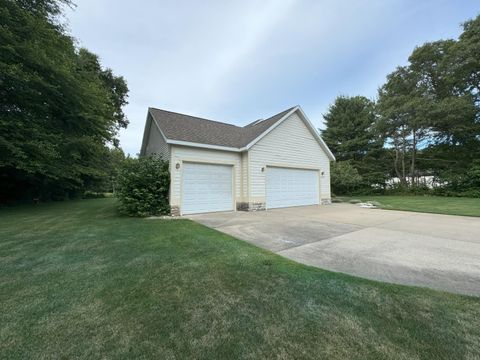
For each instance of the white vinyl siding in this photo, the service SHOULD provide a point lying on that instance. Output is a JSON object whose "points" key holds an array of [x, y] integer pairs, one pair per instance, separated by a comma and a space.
{"points": [[184, 154], [244, 176], [291, 187], [206, 188], [156, 143], [290, 144]]}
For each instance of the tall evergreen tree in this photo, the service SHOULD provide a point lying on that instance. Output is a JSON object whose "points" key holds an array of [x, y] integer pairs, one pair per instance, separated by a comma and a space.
{"points": [[352, 135]]}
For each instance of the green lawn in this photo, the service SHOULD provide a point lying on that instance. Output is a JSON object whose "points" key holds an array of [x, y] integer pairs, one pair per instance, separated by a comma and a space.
{"points": [[79, 281], [428, 204]]}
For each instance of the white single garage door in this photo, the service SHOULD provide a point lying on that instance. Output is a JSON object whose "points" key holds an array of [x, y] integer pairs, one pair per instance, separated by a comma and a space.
{"points": [[291, 187], [206, 188]]}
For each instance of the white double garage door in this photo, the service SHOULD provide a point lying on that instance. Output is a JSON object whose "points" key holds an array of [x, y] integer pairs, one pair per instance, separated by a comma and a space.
{"points": [[209, 187]]}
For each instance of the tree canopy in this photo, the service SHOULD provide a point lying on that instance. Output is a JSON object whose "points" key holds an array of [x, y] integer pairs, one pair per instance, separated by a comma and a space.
{"points": [[351, 133], [60, 111], [426, 117], [349, 123]]}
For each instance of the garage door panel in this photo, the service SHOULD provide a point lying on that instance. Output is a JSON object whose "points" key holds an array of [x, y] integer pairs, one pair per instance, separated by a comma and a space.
{"points": [[291, 187], [206, 188]]}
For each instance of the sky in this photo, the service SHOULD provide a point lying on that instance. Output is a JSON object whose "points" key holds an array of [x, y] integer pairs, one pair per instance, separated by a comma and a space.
{"points": [[239, 61]]}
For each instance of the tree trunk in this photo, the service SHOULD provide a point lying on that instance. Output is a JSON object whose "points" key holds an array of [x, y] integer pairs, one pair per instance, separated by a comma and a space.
{"points": [[397, 156], [403, 179], [414, 153]]}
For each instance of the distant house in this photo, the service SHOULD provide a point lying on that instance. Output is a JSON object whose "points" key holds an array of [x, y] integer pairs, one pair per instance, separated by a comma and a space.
{"points": [[277, 162]]}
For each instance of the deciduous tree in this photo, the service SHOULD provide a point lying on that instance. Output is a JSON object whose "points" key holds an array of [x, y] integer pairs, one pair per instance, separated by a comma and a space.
{"points": [[59, 109]]}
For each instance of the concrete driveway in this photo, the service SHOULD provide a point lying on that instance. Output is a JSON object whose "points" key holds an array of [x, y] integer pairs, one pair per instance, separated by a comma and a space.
{"points": [[437, 251]]}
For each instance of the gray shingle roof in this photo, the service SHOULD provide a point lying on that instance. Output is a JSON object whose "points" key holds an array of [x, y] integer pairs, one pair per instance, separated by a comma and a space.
{"points": [[188, 128]]}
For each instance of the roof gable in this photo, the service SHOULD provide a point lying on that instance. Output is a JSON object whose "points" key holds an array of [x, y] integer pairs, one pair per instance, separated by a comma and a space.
{"points": [[180, 127], [194, 131], [308, 125]]}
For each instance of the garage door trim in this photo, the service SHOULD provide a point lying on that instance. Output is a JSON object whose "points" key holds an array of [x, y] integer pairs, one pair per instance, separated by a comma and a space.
{"points": [[207, 162], [293, 167]]}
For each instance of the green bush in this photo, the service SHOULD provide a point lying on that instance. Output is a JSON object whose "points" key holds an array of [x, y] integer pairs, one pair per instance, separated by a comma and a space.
{"points": [[445, 191], [462, 185], [142, 187], [399, 189], [345, 178]]}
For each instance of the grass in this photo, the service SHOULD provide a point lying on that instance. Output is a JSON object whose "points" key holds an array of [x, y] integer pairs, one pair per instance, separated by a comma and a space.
{"points": [[79, 281], [429, 204]]}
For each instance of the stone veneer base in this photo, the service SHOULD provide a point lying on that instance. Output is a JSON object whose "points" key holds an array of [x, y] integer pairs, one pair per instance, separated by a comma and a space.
{"points": [[245, 206], [242, 206], [256, 206]]}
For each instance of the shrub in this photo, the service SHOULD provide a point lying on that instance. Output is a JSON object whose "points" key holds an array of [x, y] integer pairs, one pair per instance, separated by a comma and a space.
{"points": [[345, 178], [143, 186], [399, 189], [462, 185]]}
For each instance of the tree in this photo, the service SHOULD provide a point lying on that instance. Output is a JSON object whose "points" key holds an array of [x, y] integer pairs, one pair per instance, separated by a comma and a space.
{"points": [[59, 110], [351, 133], [349, 123], [426, 119], [429, 109], [400, 120]]}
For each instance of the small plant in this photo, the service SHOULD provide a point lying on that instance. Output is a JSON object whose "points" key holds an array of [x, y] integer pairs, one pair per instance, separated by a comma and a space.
{"points": [[143, 187], [355, 201]]}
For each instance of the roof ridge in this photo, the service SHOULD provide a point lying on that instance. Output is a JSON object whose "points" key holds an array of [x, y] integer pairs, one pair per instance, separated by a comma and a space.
{"points": [[256, 122], [196, 117]]}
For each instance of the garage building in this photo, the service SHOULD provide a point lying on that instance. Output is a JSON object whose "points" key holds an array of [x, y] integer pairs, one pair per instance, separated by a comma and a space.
{"points": [[270, 163]]}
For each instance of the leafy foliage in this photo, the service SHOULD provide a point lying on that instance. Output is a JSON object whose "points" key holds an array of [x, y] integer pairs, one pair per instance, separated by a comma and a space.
{"points": [[352, 135], [349, 124], [143, 187], [59, 108], [466, 184], [426, 121], [430, 109], [344, 178]]}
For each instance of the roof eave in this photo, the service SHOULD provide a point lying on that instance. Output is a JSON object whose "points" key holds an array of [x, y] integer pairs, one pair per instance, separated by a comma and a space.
{"points": [[146, 134], [317, 135], [201, 145]]}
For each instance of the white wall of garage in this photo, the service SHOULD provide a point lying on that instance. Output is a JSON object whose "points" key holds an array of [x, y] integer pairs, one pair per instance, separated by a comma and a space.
{"points": [[179, 154], [290, 144]]}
